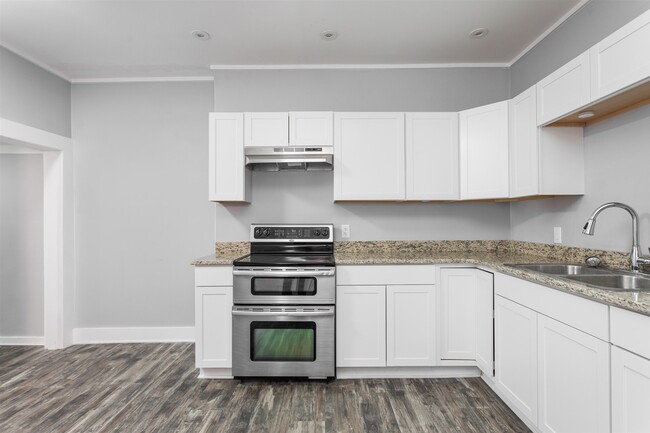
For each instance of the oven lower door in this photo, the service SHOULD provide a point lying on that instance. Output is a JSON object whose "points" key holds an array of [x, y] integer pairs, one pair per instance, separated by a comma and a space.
{"points": [[283, 342]]}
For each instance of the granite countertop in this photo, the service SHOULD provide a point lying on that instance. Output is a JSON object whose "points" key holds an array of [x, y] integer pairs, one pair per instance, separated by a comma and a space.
{"points": [[492, 255]]}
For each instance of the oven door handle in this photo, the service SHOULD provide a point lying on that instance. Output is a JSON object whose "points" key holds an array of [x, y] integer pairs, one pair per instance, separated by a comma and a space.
{"points": [[283, 313], [283, 274]]}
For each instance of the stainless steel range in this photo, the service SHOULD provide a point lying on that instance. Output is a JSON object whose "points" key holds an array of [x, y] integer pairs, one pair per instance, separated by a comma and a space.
{"points": [[284, 296]]}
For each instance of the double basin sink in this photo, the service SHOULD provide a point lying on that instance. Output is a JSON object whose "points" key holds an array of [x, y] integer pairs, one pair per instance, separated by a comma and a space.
{"points": [[602, 278]]}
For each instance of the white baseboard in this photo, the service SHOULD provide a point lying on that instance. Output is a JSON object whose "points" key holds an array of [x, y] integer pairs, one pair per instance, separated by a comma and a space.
{"points": [[405, 372], [133, 335], [22, 341], [215, 373]]}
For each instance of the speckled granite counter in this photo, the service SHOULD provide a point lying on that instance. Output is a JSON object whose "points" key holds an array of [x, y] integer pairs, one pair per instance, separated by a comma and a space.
{"points": [[492, 255]]}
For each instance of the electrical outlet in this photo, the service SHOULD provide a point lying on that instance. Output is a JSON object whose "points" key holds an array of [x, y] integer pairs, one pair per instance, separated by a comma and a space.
{"points": [[345, 231], [557, 235]]}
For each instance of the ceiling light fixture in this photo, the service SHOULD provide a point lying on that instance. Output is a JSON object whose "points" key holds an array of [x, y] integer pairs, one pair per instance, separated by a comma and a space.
{"points": [[329, 35], [586, 115], [478, 33], [201, 35]]}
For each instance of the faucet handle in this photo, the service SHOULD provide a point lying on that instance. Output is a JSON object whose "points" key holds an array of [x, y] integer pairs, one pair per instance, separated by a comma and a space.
{"points": [[593, 261]]}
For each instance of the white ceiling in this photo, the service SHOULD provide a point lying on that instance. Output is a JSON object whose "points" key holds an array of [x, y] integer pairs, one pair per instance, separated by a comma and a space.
{"points": [[91, 39]]}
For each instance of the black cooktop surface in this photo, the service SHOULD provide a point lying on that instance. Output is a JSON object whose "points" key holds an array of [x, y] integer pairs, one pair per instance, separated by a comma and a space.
{"points": [[324, 260]]}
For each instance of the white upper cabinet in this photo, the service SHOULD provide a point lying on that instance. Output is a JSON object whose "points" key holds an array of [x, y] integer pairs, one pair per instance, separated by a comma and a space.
{"points": [[431, 156], [543, 160], [228, 177], [266, 129], [484, 152], [564, 91], [369, 156], [622, 58], [311, 128]]}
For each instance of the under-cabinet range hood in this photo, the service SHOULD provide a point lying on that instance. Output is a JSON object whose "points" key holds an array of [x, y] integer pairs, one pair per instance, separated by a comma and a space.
{"points": [[289, 158]]}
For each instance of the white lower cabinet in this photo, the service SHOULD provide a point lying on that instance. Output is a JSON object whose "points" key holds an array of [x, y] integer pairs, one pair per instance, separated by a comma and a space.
{"points": [[485, 322], [410, 326], [361, 326], [213, 315], [515, 335], [630, 392], [573, 374], [379, 326]]}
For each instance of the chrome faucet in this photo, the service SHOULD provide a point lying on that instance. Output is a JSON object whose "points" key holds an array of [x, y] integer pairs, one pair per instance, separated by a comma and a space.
{"points": [[635, 260]]}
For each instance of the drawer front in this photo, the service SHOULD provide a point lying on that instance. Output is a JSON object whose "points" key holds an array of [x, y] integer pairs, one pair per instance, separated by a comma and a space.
{"points": [[588, 316], [631, 331], [212, 276], [385, 275]]}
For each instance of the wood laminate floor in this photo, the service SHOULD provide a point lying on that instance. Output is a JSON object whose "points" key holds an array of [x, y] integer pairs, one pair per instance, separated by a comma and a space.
{"points": [[154, 388]]}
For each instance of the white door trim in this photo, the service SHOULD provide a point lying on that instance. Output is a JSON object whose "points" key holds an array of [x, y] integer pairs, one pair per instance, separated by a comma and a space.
{"points": [[58, 226]]}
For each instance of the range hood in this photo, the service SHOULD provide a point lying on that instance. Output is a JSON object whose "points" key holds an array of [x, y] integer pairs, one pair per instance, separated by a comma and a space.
{"points": [[289, 158]]}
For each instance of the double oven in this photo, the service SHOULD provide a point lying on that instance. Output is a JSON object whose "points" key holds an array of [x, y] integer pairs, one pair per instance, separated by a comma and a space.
{"points": [[283, 318]]}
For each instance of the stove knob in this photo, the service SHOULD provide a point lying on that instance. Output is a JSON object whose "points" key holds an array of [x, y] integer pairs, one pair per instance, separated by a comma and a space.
{"points": [[266, 232], [316, 233], [258, 232], [325, 233]]}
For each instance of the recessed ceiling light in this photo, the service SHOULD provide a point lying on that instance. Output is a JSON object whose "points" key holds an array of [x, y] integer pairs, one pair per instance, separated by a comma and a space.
{"points": [[201, 35], [329, 35], [478, 33], [586, 115]]}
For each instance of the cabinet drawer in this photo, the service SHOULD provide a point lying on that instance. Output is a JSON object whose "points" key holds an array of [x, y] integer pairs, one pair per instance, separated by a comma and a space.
{"points": [[212, 276], [588, 316], [630, 331], [385, 275]]}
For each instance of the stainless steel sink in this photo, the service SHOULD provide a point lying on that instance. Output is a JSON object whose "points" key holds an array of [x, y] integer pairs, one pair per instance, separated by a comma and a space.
{"points": [[560, 268], [615, 282]]}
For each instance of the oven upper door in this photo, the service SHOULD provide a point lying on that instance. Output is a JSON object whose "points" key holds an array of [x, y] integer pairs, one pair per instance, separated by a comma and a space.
{"points": [[284, 285]]}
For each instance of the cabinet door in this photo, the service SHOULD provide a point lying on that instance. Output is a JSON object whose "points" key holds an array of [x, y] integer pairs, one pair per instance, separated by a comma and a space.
{"points": [[369, 156], [484, 152], [524, 154], [515, 337], [266, 129], [213, 310], [410, 326], [311, 128], [361, 326], [431, 156], [630, 392], [622, 58], [485, 322], [457, 313], [564, 91], [229, 179], [573, 379]]}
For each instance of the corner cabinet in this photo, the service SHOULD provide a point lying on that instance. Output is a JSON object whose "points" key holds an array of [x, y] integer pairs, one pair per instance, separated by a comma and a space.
{"points": [[484, 152], [432, 156], [369, 156], [229, 179]]}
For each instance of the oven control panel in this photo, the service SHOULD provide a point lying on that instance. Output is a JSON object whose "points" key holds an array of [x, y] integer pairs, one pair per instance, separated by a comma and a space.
{"points": [[289, 232]]}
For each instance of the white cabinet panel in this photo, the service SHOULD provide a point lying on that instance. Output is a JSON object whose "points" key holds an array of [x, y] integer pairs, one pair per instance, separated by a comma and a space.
{"points": [[311, 128], [484, 152], [564, 91], [410, 325], [229, 179], [524, 150], [622, 58], [432, 156], [516, 355], [369, 156], [485, 322], [266, 129], [213, 310], [573, 379], [361, 326], [458, 319], [630, 331], [630, 392]]}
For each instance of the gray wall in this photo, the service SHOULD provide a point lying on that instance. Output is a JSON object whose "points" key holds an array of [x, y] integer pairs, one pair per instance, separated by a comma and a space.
{"points": [[298, 197], [596, 20], [33, 96], [617, 150], [142, 212], [21, 245]]}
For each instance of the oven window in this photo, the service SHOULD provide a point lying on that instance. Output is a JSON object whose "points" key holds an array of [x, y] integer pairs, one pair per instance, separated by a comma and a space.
{"points": [[288, 341], [270, 286]]}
